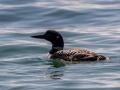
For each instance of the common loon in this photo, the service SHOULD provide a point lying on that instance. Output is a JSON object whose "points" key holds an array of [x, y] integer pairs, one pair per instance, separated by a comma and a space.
{"points": [[57, 51]]}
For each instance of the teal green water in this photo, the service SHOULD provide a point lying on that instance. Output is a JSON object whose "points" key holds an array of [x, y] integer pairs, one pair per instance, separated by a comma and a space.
{"points": [[90, 24]]}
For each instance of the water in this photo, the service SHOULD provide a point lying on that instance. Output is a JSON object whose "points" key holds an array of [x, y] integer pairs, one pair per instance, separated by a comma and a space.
{"points": [[91, 24]]}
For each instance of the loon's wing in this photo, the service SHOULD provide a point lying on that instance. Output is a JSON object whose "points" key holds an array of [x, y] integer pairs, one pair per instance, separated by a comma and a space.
{"points": [[84, 57]]}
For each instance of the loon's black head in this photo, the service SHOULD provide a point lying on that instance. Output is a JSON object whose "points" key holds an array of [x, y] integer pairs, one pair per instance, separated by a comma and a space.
{"points": [[54, 37]]}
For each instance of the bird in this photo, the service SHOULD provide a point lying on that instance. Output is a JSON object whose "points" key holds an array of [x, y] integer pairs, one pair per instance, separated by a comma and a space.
{"points": [[75, 54]]}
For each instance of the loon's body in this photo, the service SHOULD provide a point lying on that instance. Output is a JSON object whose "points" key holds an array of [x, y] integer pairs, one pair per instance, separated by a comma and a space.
{"points": [[57, 51]]}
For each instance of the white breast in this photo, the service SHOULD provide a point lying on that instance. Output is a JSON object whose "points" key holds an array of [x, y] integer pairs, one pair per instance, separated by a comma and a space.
{"points": [[49, 55]]}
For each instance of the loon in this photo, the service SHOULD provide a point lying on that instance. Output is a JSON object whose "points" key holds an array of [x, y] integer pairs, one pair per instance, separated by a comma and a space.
{"points": [[57, 51]]}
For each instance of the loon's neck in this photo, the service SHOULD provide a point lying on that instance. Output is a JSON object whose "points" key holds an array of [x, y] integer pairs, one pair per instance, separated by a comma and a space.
{"points": [[57, 43], [56, 48]]}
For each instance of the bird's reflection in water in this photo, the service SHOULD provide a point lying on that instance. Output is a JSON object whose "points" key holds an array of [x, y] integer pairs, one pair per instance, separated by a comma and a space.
{"points": [[55, 73]]}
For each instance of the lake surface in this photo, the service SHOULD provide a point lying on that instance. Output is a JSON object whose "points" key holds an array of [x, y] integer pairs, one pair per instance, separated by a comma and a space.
{"points": [[90, 24]]}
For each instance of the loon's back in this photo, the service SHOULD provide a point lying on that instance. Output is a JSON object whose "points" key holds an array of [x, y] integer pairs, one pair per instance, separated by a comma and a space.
{"points": [[77, 55]]}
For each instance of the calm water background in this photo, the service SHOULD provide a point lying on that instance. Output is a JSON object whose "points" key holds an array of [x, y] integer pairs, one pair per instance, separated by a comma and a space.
{"points": [[91, 24]]}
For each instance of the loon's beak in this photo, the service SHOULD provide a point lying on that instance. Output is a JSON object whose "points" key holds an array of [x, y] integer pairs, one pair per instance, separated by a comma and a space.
{"points": [[38, 36]]}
